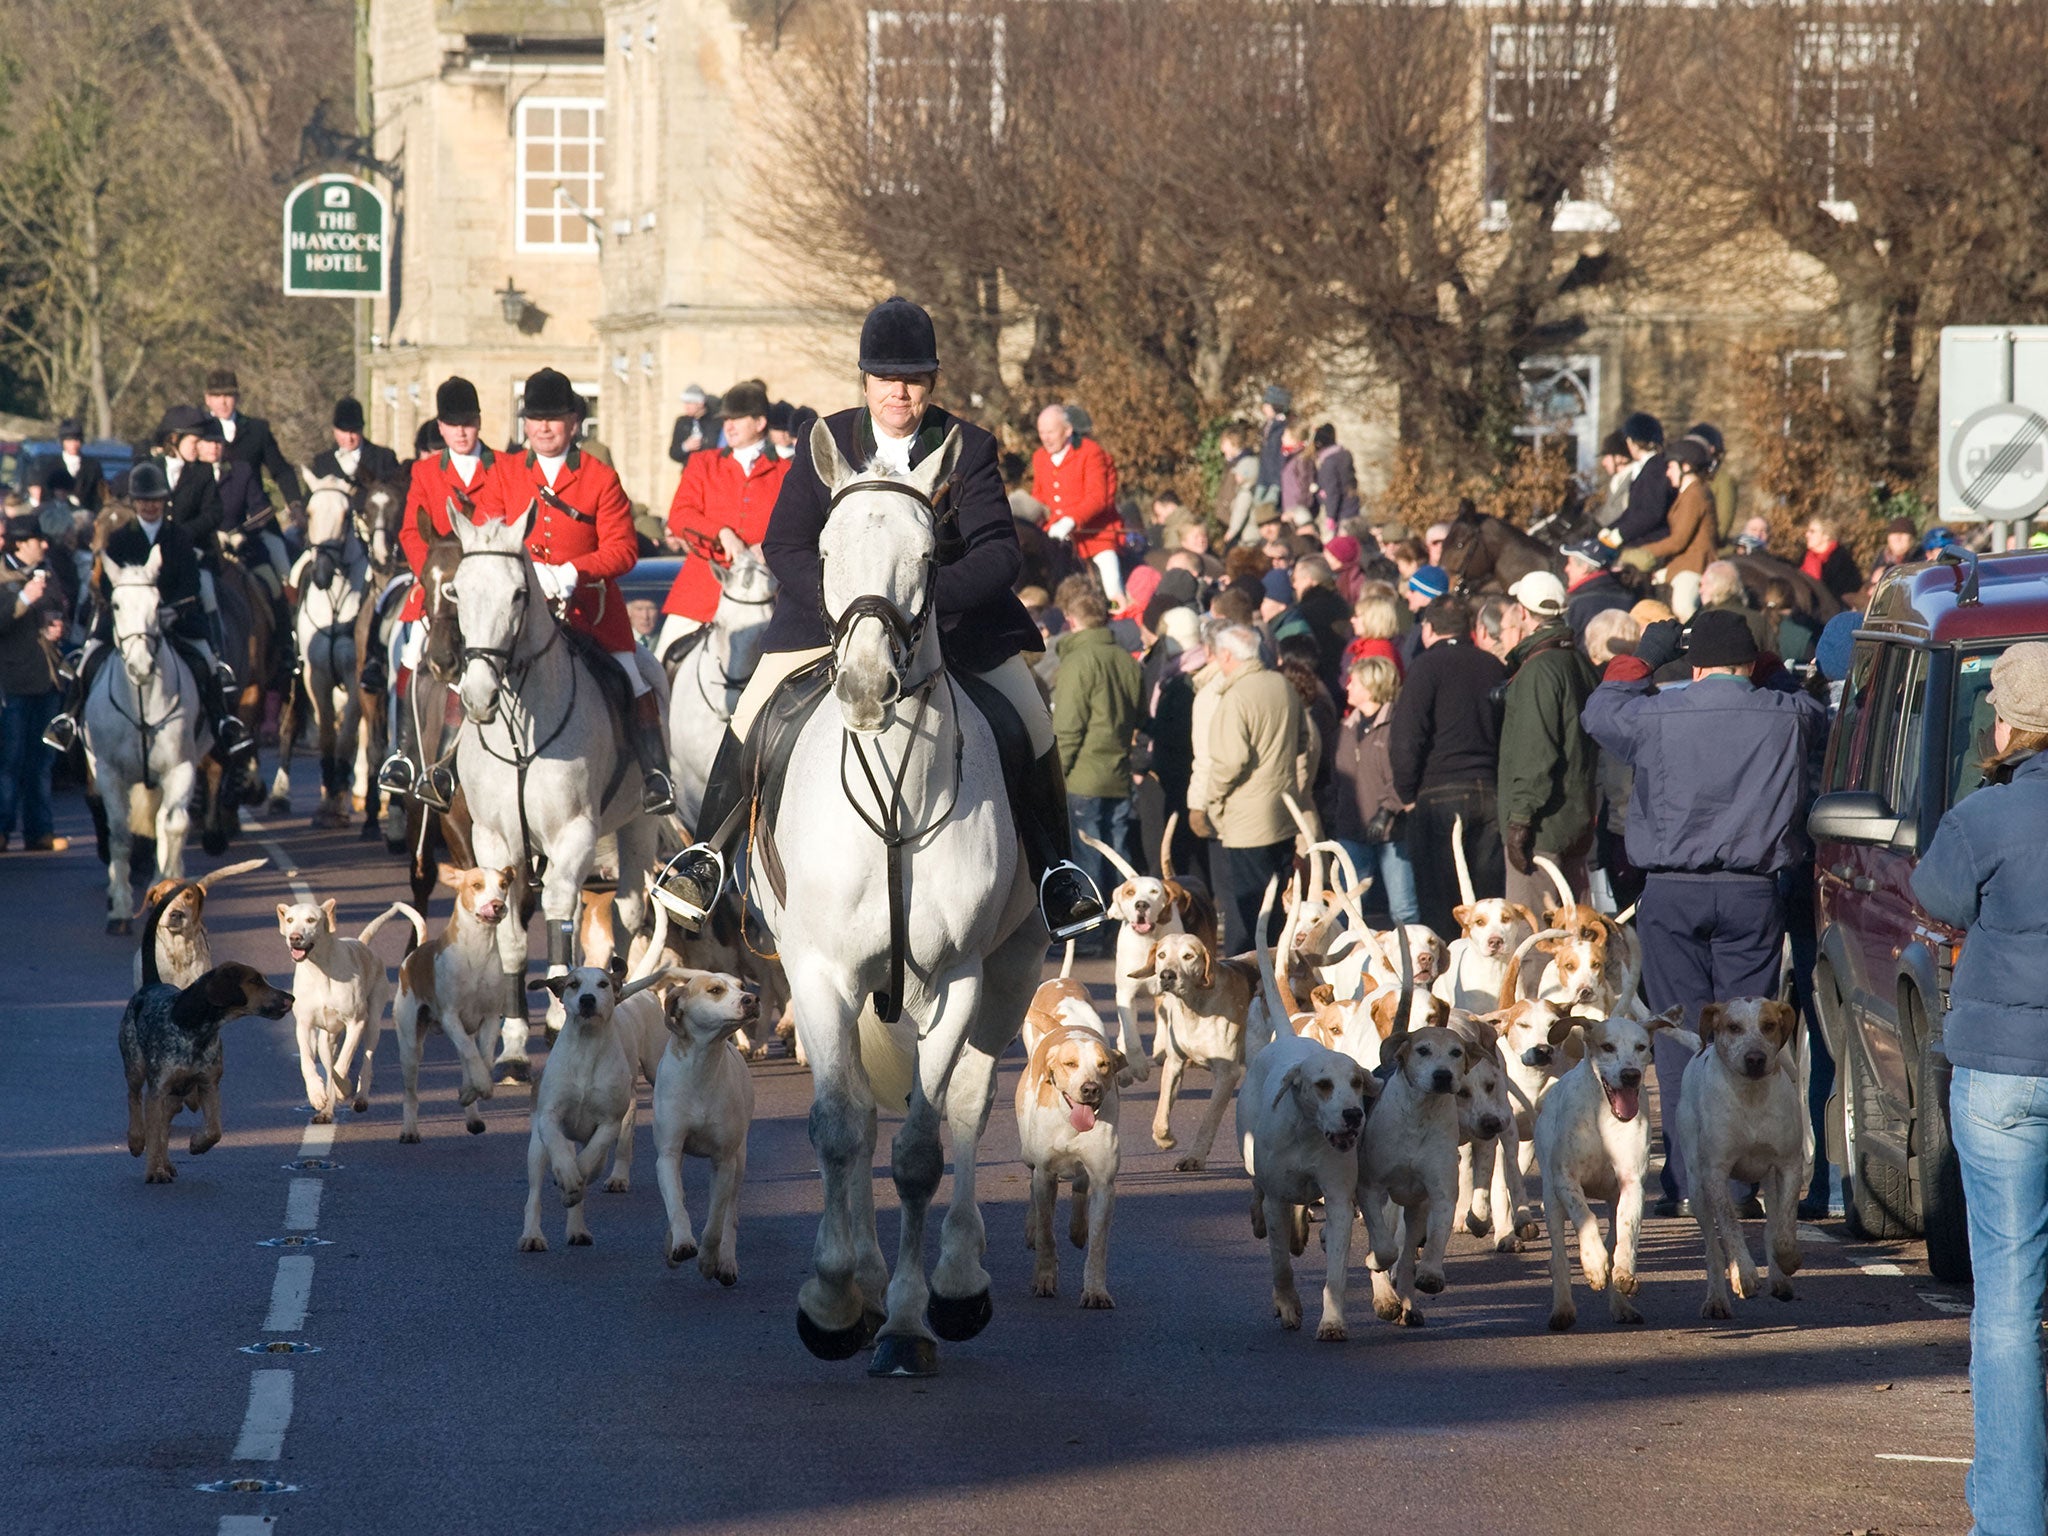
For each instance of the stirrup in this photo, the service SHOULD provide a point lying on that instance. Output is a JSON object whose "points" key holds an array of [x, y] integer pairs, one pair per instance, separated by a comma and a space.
{"points": [[690, 903], [61, 734], [395, 775], [435, 788], [1082, 912], [657, 795], [225, 676]]}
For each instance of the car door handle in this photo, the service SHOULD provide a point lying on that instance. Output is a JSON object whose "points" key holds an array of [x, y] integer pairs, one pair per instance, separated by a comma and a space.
{"points": [[1863, 883]]}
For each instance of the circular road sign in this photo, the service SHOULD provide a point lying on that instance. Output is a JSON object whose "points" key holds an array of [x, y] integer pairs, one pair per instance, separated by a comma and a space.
{"points": [[2000, 460]]}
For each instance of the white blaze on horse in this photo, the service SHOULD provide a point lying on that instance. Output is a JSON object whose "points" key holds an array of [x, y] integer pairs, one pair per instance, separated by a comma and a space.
{"points": [[143, 728], [540, 753], [708, 684], [904, 753], [331, 577]]}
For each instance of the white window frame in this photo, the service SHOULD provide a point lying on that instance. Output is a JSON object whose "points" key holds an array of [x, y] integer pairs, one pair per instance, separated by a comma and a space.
{"points": [[913, 21], [1827, 357], [1596, 47], [569, 216], [1819, 54], [1585, 426]]}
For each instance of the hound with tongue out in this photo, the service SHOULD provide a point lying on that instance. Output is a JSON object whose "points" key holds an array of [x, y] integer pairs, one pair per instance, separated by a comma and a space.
{"points": [[1593, 1142], [1067, 1129]]}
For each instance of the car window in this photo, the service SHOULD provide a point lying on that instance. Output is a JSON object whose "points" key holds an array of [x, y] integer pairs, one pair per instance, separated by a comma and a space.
{"points": [[1969, 730], [1886, 707], [1844, 765], [1912, 717]]}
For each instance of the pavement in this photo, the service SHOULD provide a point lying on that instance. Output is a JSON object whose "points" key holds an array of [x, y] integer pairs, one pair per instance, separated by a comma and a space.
{"points": [[461, 1386]]}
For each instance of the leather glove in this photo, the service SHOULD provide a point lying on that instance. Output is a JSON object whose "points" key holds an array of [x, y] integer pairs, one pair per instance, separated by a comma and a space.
{"points": [[1518, 842], [1198, 822], [1660, 643]]}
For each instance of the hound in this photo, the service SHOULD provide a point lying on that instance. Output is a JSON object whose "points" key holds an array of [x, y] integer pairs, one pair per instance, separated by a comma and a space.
{"points": [[1491, 1195], [453, 980], [1298, 1125], [703, 1104], [341, 991], [183, 952], [1741, 1116], [1593, 1140], [1067, 1112], [1148, 909], [1202, 1009], [170, 1047], [581, 1098], [1059, 1001], [1410, 1160]]}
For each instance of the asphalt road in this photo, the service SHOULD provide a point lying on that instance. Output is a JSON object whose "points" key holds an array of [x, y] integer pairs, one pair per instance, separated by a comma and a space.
{"points": [[460, 1386]]}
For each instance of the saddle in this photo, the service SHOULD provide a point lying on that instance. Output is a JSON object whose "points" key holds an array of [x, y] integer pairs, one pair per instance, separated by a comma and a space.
{"points": [[617, 692], [679, 651], [764, 761]]}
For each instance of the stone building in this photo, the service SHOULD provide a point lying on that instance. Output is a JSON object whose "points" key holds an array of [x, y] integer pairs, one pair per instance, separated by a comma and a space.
{"points": [[566, 197]]}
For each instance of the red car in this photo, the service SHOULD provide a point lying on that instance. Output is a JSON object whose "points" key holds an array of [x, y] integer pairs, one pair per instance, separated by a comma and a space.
{"points": [[1912, 730]]}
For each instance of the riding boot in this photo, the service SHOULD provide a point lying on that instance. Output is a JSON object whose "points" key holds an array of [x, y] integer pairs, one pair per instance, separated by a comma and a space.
{"points": [[232, 745], [61, 734], [694, 877], [650, 746], [1066, 896]]}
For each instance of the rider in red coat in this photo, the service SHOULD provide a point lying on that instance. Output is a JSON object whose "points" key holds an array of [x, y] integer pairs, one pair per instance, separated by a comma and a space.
{"points": [[466, 471], [733, 487], [1075, 480]]}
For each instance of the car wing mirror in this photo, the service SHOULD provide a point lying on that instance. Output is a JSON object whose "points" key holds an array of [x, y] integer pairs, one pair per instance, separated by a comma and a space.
{"points": [[1857, 816]]}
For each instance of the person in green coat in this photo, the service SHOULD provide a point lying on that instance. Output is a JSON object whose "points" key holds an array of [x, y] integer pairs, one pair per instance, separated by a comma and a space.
{"points": [[1548, 764], [1097, 703]]}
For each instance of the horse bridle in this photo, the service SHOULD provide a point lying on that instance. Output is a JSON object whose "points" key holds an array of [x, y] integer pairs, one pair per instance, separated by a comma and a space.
{"points": [[906, 631], [156, 643], [499, 658]]}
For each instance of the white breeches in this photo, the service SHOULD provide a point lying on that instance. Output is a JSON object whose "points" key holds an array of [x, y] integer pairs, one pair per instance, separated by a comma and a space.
{"points": [[630, 660], [1013, 680], [1112, 573]]}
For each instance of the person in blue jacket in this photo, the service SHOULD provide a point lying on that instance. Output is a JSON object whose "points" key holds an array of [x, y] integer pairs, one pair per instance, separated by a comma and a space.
{"points": [[1984, 873], [1717, 810]]}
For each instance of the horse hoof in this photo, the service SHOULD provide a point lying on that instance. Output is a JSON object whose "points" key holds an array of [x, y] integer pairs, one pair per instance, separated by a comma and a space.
{"points": [[518, 1070], [904, 1354], [957, 1319], [837, 1343], [215, 843], [280, 805], [120, 927]]}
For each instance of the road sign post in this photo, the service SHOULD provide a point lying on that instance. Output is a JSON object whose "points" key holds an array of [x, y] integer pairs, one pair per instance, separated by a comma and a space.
{"points": [[336, 238], [1994, 424]]}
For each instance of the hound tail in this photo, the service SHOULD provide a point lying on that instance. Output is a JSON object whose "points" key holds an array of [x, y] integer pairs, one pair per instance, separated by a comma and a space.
{"points": [[1565, 897], [1067, 961], [1511, 978], [1278, 1015], [396, 909], [212, 878], [1465, 891], [657, 946]]}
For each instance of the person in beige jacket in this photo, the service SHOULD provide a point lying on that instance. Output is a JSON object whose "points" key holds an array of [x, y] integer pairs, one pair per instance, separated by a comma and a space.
{"points": [[1688, 545], [1260, 747]]}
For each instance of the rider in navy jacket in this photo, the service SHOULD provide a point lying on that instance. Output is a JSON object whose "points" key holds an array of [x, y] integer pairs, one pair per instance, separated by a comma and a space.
{"points": [[981, 623], [982, 627]]}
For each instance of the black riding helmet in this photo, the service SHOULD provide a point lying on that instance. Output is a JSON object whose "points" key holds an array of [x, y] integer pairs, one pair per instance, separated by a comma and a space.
{"points": [[897, 340]]}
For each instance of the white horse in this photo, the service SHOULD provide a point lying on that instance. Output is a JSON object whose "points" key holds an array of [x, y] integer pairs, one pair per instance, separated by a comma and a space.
{"points": [[539, 755], [905, 751], [331, 577], [143, 727], [709, 682]]}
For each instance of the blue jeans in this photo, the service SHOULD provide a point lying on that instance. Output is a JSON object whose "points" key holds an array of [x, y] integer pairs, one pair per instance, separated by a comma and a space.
{"points": [[1107, 821], [25, 763], [1388, 864], [2000, 1124]]}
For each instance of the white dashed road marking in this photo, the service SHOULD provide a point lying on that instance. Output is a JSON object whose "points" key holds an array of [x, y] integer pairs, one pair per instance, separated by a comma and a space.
{"points": [[1944, 1461], [302, 1205], [270, 1413], [290, 1293], [276, 854]]}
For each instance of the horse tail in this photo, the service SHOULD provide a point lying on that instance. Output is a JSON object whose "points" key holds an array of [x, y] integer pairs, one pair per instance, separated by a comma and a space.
{"points": [[888, 1054], [1067, 961], [396, 909]]}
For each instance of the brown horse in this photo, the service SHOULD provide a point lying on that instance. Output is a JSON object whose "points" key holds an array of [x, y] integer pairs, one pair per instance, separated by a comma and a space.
{"points": [[249, 627], [1484, 554]]}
